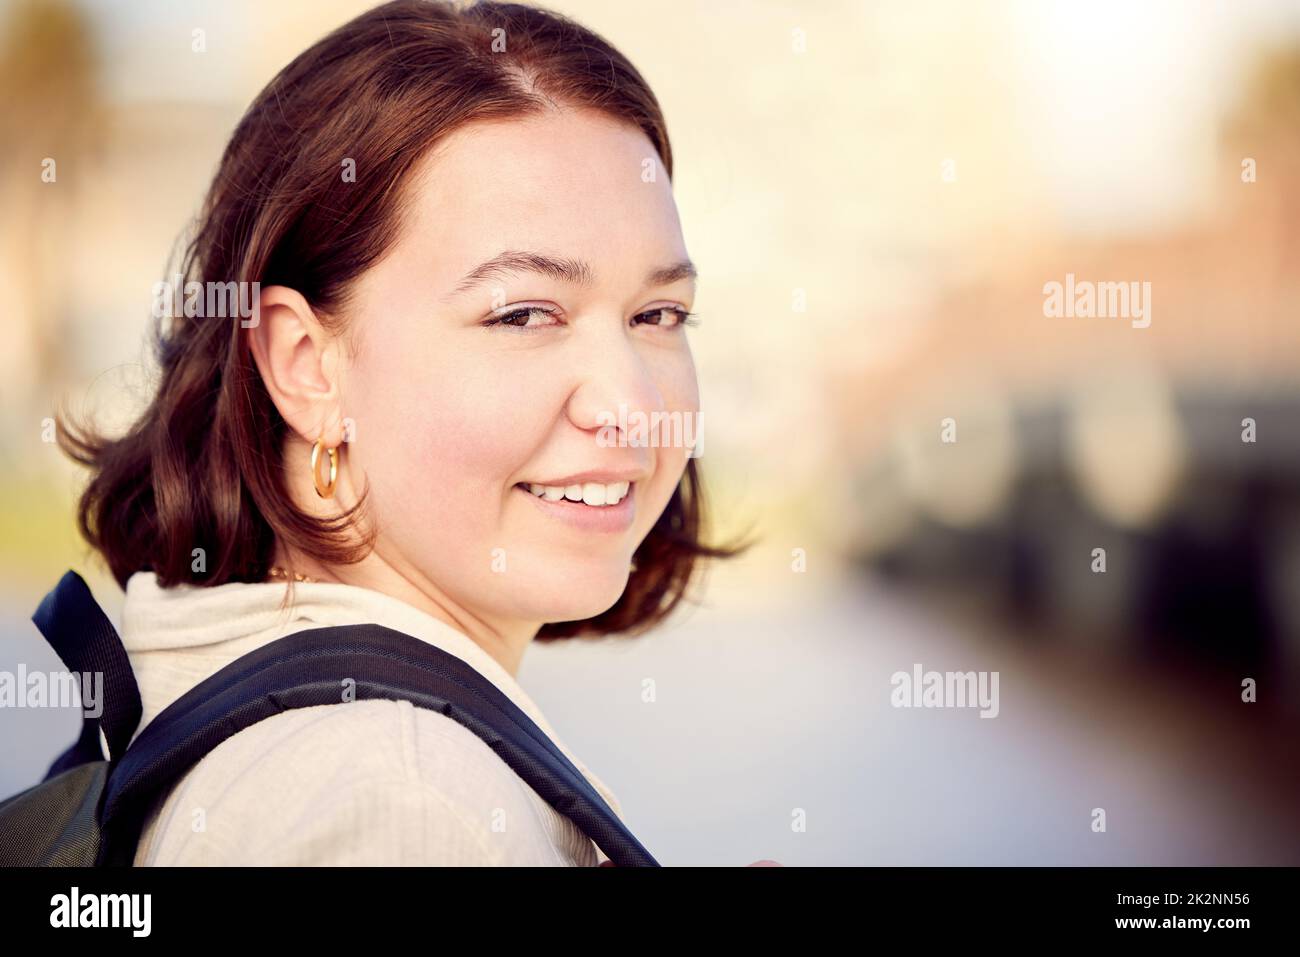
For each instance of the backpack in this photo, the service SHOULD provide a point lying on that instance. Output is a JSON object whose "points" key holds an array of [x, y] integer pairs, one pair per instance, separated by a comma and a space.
{"points": [[89, 812]]}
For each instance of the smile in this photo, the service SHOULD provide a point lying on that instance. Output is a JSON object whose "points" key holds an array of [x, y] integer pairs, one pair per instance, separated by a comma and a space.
{"points": [[596, 494], [589, 506]]}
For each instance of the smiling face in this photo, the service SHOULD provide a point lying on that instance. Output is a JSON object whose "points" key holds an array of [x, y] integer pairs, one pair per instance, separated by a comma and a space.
{"points": [[533, 297]]}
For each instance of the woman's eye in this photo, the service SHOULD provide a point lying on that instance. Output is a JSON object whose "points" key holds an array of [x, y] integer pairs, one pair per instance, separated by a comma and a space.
{"points": [[537, 317], [519, 318], [666, 316]]}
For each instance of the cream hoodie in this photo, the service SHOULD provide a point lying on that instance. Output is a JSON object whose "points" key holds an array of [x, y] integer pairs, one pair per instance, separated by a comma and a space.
{"points": [[361, 783]]}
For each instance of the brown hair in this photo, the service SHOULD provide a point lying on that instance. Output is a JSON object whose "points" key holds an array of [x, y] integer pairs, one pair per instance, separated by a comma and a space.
{"points": [[202, 466]]}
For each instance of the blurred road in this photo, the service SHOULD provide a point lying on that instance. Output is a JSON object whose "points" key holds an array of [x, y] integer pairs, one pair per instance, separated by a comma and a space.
{"points": [[790, 710]]}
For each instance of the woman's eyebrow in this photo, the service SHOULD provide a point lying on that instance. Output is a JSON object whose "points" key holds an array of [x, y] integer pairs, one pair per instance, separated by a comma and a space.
{"points": [[572, 271]]}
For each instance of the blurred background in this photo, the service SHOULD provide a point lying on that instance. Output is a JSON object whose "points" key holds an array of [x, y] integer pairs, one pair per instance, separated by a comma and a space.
{"points": [[876, 195]]}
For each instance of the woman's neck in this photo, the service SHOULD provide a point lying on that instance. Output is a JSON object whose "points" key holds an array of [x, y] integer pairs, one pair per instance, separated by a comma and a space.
{"points": [[505, 641]]}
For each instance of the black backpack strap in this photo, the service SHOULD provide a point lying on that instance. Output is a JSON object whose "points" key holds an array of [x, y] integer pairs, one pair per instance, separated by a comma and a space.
{"points": [[86, 641], [309, 668]]}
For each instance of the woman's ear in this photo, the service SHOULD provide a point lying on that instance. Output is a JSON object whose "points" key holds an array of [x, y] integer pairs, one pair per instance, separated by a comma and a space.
{"points": [[299, 362]]}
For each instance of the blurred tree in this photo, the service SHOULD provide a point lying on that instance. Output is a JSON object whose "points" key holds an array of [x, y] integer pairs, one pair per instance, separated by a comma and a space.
{"points": [[53, 111]]}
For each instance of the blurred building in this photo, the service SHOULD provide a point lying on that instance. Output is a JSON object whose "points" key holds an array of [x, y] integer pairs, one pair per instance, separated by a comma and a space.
{"points": [[1076, 433]]}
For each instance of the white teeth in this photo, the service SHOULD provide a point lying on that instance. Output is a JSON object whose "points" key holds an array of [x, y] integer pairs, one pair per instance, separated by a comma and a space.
{"points": [[590, 493]]}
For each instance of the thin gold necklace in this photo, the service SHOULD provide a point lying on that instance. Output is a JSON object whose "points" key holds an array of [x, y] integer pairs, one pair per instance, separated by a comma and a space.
{"points": [[278, 572]]}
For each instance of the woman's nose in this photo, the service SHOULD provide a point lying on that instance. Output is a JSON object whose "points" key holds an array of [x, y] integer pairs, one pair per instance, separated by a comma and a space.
{"points": [[615, 383]]}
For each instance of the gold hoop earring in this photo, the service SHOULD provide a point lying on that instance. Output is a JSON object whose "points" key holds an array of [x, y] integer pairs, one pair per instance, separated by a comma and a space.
{"points": [[324, 491]]}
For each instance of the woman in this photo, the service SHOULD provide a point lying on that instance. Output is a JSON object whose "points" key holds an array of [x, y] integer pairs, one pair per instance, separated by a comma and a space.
{"points": [[470, 276]]}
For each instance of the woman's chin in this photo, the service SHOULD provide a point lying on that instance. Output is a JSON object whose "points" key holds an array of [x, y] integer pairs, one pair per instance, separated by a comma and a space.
{"points": [[578, 597]]}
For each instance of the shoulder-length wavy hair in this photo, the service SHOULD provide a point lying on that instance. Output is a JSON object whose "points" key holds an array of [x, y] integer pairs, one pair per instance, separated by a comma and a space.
{"points": [[202, 466]]}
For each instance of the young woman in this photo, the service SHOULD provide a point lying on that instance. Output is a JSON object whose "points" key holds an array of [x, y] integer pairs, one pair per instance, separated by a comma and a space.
{"points": [[470, 277]]}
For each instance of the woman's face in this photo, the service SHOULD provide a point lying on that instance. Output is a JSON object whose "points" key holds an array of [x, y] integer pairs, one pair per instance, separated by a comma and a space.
{"points": [[454, 416]]}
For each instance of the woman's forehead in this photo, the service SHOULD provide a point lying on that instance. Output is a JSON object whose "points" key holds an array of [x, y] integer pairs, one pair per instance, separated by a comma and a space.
{"points": [[573, 186], [551, 164]]}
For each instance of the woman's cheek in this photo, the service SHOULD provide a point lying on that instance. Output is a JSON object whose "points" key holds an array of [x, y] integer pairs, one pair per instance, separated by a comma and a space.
{"points": [[680, 388], [414, 455], [672, 469], [686, 385]]}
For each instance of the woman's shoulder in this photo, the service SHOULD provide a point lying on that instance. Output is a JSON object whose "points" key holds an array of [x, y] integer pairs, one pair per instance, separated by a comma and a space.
{"points": [[361, 782]]}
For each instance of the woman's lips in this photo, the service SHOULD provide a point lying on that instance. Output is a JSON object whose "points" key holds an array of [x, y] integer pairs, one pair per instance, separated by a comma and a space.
{"points": [[590, 518]]}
